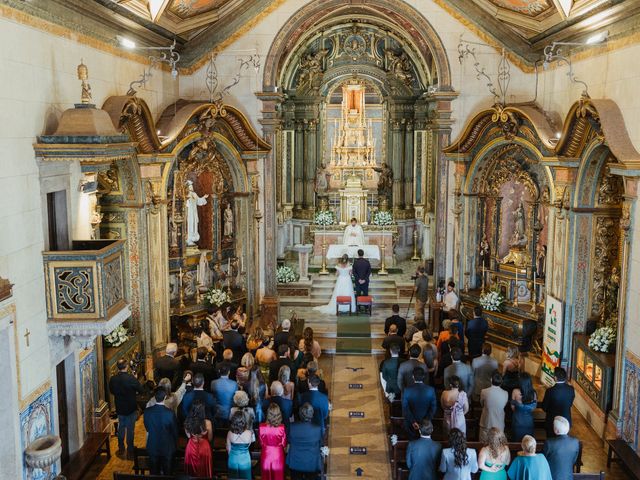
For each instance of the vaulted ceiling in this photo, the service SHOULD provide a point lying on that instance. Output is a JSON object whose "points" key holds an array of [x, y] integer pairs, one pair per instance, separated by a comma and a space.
{"points": [[524, 27]]}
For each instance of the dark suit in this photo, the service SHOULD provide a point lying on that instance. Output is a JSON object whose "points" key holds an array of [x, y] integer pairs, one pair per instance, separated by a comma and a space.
{"points": [[305, 440], [389, 370], [234, 341], [274, 368], [207, 370], [162, 427], [477, 329], [361, 270], [398, 321], [168, 367], [423, 459], [418, 402], [561, 453], [281, 338], [223, 390], [204, 397], [320, 403], [557, 402]]}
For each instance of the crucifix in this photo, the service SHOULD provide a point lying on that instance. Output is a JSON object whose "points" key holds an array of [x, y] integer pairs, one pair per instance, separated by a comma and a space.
{"points": [[26, 336]]}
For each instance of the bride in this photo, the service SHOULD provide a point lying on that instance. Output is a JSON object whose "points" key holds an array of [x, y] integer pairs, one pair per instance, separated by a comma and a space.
{"points": [[343, 288]]}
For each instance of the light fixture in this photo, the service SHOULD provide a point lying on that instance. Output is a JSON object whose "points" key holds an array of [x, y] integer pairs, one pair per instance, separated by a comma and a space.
{"points": [[126, 42], [597, 38]]}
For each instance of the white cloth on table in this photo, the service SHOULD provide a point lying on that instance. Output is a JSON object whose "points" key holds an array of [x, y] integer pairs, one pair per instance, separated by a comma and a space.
{"points": [[371, 252], [343, 288]]}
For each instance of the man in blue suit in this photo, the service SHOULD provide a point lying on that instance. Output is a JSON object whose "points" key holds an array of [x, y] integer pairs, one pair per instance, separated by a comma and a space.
{"points": [[318, 400], [198, 393], [558, 400], [305, 441], [423, 454], [561, 451], [418, 403], [286, 405], [162, 429], [223, 390]]}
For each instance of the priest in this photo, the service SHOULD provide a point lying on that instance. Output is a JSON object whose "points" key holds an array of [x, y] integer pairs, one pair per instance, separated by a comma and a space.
{"points": [[353, 234]]}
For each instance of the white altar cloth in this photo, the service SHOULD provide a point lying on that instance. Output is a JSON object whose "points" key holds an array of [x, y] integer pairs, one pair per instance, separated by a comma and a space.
{"points": [[371, 252]]}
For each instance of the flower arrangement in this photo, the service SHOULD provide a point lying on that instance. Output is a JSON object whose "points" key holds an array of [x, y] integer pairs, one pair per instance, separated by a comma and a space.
{"points": [[325, 218], [216, 297], [492, 301], [117, 337], [602, 339], [382, 218], [285, 274]]}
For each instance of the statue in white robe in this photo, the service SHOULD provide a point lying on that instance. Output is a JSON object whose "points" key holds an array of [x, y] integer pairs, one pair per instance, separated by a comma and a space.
{"points": [[193, 201], [353, 234]]}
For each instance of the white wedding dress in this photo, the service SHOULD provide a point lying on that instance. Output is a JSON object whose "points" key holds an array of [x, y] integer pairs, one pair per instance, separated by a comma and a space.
{"points": [[343, 288]]}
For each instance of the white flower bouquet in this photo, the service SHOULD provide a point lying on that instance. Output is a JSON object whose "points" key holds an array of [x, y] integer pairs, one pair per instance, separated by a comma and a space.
{"points": [[492, 301], [117, 337], [216, 297], [285, 274], [602, 339], [382, 218], [325, 218]]}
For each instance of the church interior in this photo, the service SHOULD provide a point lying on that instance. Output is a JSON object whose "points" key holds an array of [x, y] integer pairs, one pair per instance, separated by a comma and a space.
{"points": [[329, 213]]}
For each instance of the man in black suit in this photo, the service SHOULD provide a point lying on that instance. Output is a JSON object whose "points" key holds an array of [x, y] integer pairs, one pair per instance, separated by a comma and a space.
{"points": [[558, 400], [476, 332], [168, 366], [162, 429], [423, 454], [234, 341], [282, 337], [561, 451], [361, 269], [227, 359], [124, 386], [203, 366], [282, 360], [198, 393], [418, 403], [396, 320], [393, 339]]}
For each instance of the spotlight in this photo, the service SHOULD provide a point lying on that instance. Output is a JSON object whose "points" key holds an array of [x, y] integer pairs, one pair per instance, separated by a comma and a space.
{"points": [[597, 38]]}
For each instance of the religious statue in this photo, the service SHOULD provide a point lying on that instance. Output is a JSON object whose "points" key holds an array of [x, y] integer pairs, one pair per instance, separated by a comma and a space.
{"points": [[519, 238], [321, 183], [353, 234], [485, 252], [228, 221], [385, 180], [192, 201]]}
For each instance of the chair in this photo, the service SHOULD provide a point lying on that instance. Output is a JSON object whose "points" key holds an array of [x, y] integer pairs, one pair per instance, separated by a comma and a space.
{"points": [[343, 300], [366, 302]]}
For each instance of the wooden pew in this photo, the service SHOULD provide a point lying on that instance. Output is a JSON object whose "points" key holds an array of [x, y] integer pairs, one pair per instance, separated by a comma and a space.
{"points": [[81, 461]]}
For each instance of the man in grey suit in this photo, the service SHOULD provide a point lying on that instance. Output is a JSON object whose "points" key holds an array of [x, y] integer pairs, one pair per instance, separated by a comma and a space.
{"points": [[405, 372], [460, 370], [483, 367], [493, 400], [423, 454], [561, 451]]}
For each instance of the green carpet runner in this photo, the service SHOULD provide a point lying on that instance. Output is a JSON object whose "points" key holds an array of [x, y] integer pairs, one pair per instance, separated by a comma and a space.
{"points": [[353, 335]]}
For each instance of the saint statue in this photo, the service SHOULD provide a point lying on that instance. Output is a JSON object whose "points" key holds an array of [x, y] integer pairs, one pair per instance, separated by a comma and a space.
{"points": [[193, 201], [385, 180], [485, 252], [228, 221], [322, 180], [519, 237], [353, 234]]}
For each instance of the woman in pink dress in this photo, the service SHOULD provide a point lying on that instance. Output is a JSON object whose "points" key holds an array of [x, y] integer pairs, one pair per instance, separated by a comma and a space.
{"points": [[272, 440], [197, 455]]}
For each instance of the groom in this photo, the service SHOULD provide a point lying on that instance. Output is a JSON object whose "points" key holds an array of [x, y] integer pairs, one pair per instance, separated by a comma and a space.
{"points": [[361, 269]]}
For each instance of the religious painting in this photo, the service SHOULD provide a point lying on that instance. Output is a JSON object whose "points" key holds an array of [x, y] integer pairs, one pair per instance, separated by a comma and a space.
{"points": [[552, 339], [36, 421]]}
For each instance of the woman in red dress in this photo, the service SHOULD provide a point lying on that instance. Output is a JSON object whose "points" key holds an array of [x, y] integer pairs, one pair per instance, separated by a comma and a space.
{"points": [[197, 456], [273, 440]]}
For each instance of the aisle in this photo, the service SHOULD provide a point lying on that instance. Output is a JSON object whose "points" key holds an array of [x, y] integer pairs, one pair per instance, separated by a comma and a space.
{"points": [[368, 432]]}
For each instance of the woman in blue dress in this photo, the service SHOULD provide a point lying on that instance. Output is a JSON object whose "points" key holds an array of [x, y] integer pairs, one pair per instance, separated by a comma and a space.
{"points": [[523, 402], [239, 439]]}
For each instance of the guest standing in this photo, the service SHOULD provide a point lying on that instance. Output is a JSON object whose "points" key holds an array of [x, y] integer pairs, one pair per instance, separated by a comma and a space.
{"points": [[458, 462], [561, 451], [455, 404], [162, 435], [477, 329], [528, 465], [495, 457], [523, 403], [239, 439], [558, 400], [124, 387], [418, 403], [273, 439], [199, 430], [305, 440], [423, 454], [493, 401]]}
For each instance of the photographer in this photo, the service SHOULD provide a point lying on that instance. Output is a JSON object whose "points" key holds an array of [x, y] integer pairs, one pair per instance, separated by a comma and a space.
{"points": [[421, 292]]}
